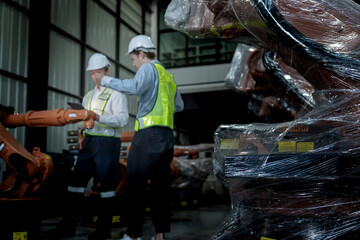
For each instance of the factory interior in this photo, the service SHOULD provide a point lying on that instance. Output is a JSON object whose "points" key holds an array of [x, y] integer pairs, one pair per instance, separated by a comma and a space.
{"points": [[265, 145]]}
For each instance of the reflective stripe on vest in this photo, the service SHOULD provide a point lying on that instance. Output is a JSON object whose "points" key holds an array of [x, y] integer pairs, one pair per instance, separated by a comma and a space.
{"points": [[162, 113], [100, 129]]}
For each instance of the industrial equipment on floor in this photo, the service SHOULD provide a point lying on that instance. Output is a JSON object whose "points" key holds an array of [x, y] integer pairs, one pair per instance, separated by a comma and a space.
{"points": [[296, 174], [25, 172]]}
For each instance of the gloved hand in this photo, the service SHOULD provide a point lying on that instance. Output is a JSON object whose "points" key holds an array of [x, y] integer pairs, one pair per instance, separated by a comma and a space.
{"points": [[92, 117]]}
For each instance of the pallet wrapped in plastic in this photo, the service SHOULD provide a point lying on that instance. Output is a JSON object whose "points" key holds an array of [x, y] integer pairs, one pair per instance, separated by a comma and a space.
{"points": [[297, 180], [293, 180]]}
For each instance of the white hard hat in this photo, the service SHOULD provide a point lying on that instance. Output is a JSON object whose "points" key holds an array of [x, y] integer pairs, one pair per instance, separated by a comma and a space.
{"points": [[141, 42], [97, 61]]}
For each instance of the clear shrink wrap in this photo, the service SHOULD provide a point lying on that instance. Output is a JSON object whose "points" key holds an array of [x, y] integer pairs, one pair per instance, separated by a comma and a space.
{"points": [[294, 180], [191, 166], [204, 19], [281, 87], [298, 178], [192, 172], [312, 36], [314, 42], [320, 39]]}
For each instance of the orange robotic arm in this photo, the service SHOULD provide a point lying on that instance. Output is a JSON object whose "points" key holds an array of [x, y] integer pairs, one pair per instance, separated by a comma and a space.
{"points": [[25, 171], [56, 117]]}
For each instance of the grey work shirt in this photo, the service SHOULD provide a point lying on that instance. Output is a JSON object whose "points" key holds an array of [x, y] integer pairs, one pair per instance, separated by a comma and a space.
{"points": [[145, 85]]}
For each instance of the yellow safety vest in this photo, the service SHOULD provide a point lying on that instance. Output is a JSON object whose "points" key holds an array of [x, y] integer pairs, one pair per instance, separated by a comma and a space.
{"points": [[163, 111], [100, 129]]}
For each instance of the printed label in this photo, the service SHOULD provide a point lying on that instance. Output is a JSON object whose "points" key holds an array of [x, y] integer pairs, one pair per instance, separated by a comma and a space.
{"points": [[287, 146], [305, 146], [229, 144], [20, 236]]}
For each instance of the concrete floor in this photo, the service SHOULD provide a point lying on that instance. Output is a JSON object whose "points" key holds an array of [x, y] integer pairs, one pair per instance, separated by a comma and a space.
{"points": [[198, 222]]}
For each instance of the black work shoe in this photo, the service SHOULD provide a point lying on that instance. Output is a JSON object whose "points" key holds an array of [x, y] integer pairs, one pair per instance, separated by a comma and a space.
{"points": [[99, 235]]}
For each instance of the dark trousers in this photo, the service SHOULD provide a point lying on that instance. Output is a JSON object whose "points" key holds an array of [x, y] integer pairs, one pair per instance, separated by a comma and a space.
{"points": [[99, 158], [150, 156]]}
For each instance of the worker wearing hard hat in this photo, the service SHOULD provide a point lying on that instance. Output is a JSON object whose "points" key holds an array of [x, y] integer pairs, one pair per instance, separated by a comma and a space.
{"points": [[151, 150], [99, 155]]}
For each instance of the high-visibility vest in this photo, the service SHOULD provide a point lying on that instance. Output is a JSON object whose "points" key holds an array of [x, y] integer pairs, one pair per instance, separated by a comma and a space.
{"points": [[162, 114], [100, 129]]}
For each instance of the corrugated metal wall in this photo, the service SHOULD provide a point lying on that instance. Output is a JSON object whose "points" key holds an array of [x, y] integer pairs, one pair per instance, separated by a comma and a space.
{"points": [[14, 50], [66, 15], [131, 13], [101, 30], [64, 64], [65, 54]]}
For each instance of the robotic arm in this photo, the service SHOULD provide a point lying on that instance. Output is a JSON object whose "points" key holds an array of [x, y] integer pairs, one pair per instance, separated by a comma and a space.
{"points": [[26, 171], [56, 117]]}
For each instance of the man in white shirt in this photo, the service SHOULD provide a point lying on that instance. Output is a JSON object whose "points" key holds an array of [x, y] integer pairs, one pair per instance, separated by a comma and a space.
{"points": [[99, 155]]}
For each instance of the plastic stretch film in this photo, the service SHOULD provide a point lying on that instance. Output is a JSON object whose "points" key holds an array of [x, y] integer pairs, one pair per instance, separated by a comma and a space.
{"points": [[263, 73], [298, 176], [190, 166], [312, 35], [204, 19], [192, 172], [293, 180], [291, 30]]}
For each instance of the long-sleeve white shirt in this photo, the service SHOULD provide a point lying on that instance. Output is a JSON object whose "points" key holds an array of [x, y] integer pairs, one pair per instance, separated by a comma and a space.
{"points": [[115, 113]]}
